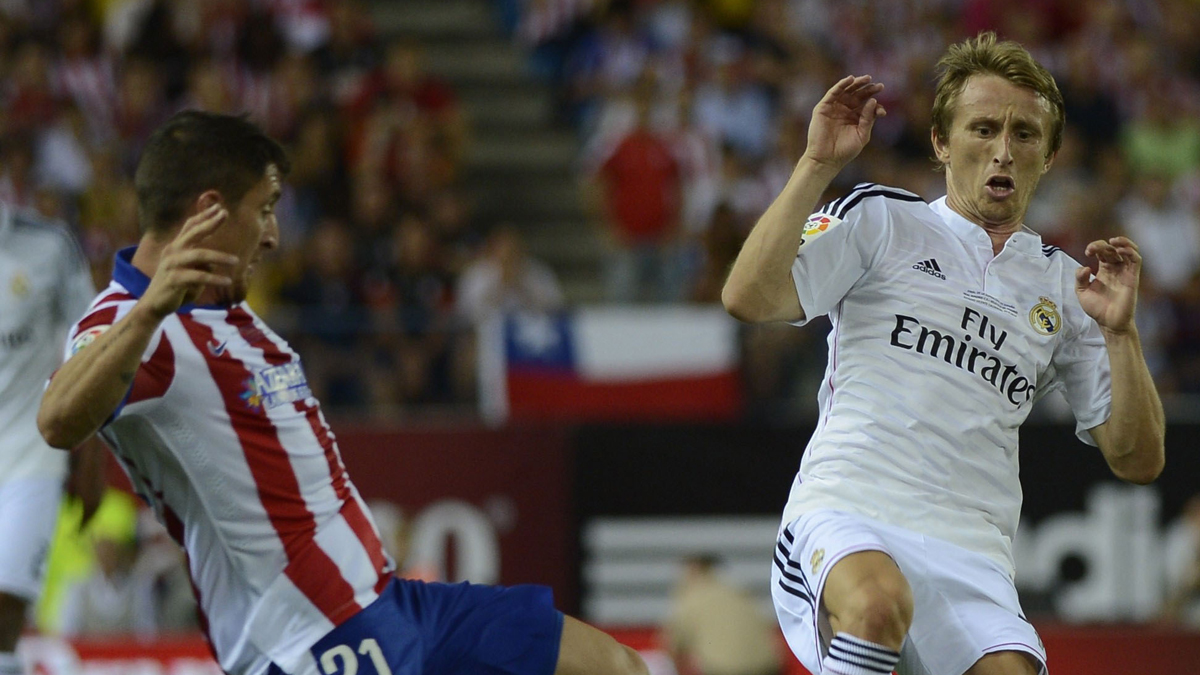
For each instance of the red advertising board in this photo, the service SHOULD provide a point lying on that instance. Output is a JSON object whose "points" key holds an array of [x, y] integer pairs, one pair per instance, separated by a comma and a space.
{"points": [[489, 505]]}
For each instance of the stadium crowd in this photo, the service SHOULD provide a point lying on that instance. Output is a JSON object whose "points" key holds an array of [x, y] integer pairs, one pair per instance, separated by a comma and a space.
{"points": [[722, 90], [690, 115], [375, 230]]}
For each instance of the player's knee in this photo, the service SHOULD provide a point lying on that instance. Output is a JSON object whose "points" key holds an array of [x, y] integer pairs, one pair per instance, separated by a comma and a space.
{"points": [[880, 611]]}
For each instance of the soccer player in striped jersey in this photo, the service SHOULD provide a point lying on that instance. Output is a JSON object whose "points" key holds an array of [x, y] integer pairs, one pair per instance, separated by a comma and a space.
{"points": [[210, 414], [949, 320]]}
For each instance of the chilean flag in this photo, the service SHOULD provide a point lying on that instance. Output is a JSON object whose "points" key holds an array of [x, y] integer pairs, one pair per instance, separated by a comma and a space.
{"points": [[611, 364]]}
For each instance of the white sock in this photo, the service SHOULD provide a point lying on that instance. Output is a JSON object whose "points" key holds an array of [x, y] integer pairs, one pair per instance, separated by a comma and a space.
{"points": [[10, 664], [850, 655]]}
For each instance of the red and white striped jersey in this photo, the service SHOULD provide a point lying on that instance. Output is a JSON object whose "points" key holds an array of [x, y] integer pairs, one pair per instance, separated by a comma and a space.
{"points": [[221, 435]]}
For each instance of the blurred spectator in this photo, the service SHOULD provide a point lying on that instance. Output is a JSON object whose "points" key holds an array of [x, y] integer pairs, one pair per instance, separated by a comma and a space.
{"points": [[1183, 569], [350, 53], [1166, 229], [722, 242], [72, 555], [16, 164], [641, 189], [332, 316], [112, 601], [735, 107], [1161, 140], [162, 565], [505, 279], [716, 629], [403, 82], [1184, 349], [605, 62], [414, 309]]}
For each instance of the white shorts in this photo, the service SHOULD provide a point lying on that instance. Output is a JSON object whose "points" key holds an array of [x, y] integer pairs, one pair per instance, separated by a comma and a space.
{"points": [[965, 605], [28, 511]]}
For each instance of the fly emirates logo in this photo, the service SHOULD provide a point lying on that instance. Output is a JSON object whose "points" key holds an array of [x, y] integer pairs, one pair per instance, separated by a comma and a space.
{"points": [[978, 351]]}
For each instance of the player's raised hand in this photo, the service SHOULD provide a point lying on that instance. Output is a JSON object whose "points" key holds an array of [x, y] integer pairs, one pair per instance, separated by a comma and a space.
{"points": [[842, 121], [185, 267], [1110, 297]]}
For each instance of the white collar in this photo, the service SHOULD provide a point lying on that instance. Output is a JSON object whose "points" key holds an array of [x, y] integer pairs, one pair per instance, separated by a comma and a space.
{"points": [[1024, 240]]}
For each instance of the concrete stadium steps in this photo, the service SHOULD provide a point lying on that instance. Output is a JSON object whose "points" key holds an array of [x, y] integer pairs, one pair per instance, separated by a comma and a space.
{"points": [[528, 198], [468, 62], [525, 150], [467, 19], [498, 108], [520, 164]]}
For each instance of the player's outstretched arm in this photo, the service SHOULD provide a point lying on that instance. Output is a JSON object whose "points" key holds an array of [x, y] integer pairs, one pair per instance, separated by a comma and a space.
{"points": [[760, 287], [90, 385], [1132, 438]]}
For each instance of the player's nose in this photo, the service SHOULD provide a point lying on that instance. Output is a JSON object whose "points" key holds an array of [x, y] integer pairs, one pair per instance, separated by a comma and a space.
{"points": [[1002, 151], [270, 238]]}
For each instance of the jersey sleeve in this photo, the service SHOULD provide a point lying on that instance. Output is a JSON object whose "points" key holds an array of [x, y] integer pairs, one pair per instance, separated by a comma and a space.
{"points": [[1082, 372], [75, 288], [110, 307], [841, 241]]}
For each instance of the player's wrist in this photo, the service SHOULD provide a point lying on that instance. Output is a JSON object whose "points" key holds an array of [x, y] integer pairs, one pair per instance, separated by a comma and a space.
{"points": [[149, 314], [1127, 332], [820, 166]]}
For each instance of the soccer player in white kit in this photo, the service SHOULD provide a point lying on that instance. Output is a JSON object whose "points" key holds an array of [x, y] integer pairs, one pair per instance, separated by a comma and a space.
{"points": [[949, 319], [210, 414], [45, 286]]}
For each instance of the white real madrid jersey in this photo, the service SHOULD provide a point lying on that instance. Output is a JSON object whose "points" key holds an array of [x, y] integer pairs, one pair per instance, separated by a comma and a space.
{"points": [[937, 352], [45, 286], [221, 435]]}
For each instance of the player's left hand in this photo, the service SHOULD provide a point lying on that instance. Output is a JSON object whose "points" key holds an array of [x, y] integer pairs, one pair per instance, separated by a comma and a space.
{"points": [[1110, 297]]}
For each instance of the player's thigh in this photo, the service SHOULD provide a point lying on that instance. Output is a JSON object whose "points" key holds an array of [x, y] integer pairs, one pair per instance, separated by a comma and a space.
{"points": [[869, 586], [584, 650], [28, 510], [1005, 663]]}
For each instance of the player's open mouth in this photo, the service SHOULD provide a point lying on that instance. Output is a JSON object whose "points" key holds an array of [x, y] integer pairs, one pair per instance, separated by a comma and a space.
{"points": [[1000, 187]]}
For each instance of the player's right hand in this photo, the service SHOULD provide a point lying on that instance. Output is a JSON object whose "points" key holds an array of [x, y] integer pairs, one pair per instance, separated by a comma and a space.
{"points": [[842, 121], [185, 268]]}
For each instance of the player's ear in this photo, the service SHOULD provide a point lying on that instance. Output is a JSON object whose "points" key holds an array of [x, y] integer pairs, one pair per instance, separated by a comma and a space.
{"points": [[941, 149], [1049, 161], [207, 199]]}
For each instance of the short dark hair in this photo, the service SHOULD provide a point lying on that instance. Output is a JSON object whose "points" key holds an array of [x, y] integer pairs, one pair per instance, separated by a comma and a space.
{"points": [[196, 151]]}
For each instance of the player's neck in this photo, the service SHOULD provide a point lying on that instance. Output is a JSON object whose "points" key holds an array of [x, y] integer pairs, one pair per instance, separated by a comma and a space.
{"points": [[148, 253]]}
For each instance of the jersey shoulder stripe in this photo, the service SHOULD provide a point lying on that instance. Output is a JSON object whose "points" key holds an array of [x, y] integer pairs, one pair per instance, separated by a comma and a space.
{"points": [[1049, 251], [31, 223], [842, 205], [871, 190]]}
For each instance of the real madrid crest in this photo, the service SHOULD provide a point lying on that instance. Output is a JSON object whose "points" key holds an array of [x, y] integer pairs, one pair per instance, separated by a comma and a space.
{"points": [[1044, 317], [818, 557], [19, 285]]}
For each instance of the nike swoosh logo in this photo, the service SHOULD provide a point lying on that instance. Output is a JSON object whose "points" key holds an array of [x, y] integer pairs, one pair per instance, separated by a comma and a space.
{"points": [[215, 348]]}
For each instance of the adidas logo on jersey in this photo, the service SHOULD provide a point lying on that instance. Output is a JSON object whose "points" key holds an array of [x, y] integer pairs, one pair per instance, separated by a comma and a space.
{"points": [[931, 268]]}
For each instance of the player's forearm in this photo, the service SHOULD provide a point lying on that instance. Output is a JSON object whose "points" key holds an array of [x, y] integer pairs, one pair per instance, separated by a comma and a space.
{"points": [[1133, 437], [90, 385], [760, 287]]}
